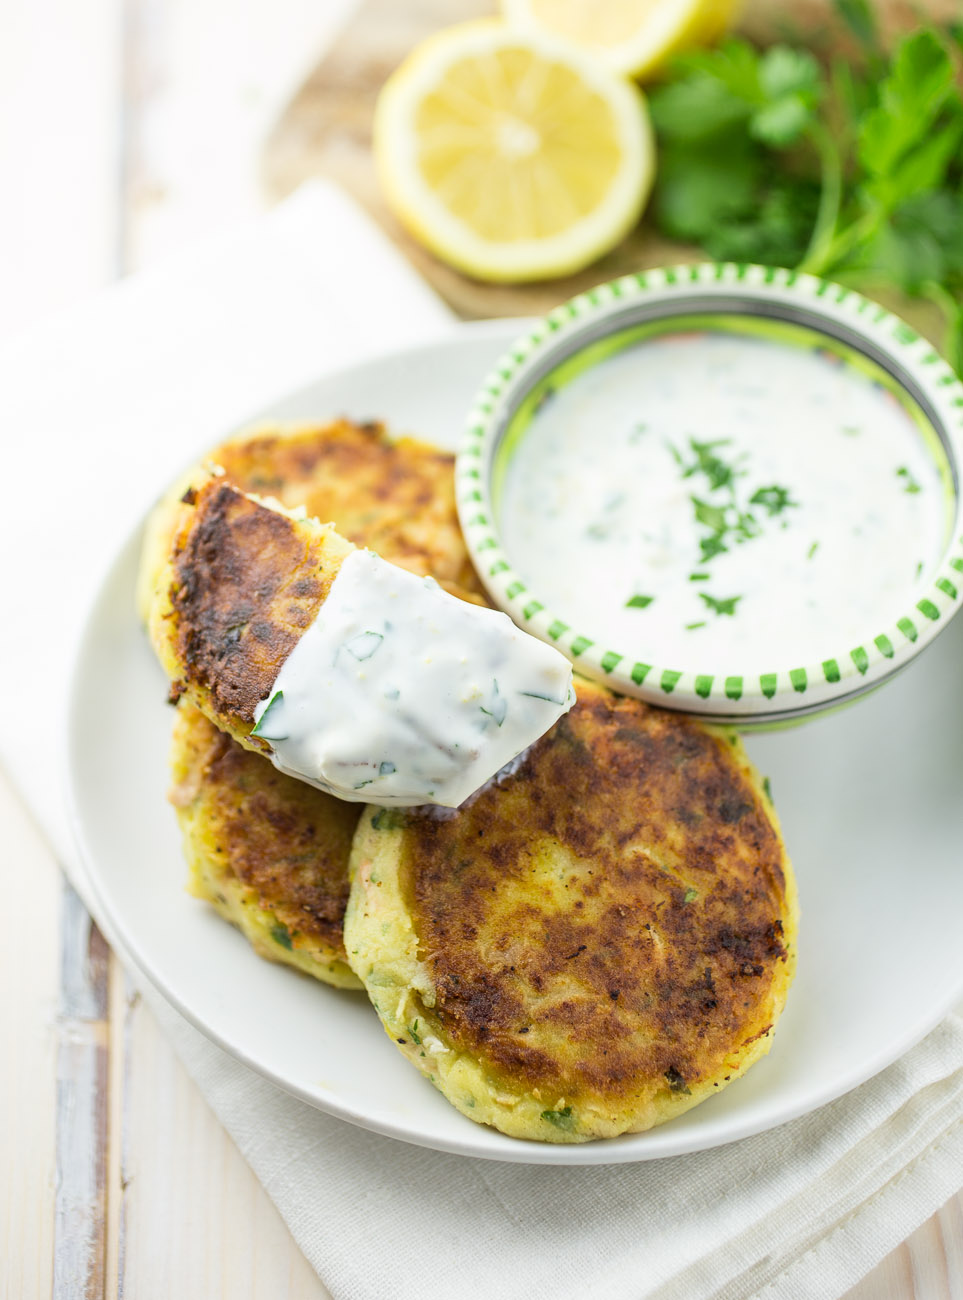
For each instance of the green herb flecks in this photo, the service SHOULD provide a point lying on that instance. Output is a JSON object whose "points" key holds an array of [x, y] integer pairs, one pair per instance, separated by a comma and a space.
{"points": [[711, 516], [676, 1081], [812, 550], [718, 474], [549, 699], [727, 606], [690, 895], [258, 728], [692, 627], [281, 935], [364, 645], [775, 499], [853, 171], [498, 705], [563, 1119], [723, 507], [388, 819], [413, 1034], [910, 484], [639, 602]]}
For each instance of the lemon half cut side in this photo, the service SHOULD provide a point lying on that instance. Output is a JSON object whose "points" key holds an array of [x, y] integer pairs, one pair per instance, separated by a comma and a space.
{"points": [[634, 37], [513, 156]]}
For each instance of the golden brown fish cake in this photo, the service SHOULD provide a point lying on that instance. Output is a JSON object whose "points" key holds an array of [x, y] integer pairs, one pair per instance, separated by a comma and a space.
{"points": [[241, 584], [214, 588], [591, 946], [270, 853], [394, 496]]}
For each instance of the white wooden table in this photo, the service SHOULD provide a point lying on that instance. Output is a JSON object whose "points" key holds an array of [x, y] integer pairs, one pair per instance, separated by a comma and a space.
{"points": [[128, 128]]}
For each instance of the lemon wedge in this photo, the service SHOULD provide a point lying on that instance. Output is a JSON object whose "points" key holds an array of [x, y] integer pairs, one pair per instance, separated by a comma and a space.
{"points": [[513, 156], [634, 37]]}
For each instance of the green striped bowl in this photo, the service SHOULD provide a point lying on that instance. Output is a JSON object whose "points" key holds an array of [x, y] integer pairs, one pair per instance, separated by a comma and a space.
{"points": [[846, 320]]}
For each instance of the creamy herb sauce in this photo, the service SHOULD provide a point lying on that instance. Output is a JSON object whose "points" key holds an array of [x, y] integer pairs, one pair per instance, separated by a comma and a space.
{"points": [[718, 503], [401, 694]]}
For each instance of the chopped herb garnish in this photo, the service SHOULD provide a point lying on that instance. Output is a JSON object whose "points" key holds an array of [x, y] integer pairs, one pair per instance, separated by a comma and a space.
{"points": [[711, 546], [639, 602], [676, 1081], [276, 698], [706, 462], [563, 1119], [499, 705], [727, 606], [812, 550], [728, 521], [690, 895], [713, 517], [775, 499], [535, 695], [767, 787], [909, 482], [280, 934], [919, 568], [388, 819], [360, 785], [364, 645], [691, 627], [413, 1034]]}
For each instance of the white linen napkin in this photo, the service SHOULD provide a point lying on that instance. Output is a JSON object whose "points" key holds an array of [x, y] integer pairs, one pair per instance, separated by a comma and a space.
{"points": [[108, 401]]}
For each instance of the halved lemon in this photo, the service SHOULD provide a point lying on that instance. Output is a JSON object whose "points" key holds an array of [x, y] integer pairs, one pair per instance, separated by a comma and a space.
{"points": [[513, 156], [633, 36]]}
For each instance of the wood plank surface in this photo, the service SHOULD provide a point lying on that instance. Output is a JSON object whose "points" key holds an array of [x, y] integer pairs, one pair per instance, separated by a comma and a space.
{"points": [[81, 1132]]}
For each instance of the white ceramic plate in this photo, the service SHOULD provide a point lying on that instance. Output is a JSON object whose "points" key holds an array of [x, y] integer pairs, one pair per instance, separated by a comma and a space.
{"points": [[869, 799]]}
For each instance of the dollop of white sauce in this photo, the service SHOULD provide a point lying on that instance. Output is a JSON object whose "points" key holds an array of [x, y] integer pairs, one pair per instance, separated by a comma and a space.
{"points": [[399, 693], [608, 499]]}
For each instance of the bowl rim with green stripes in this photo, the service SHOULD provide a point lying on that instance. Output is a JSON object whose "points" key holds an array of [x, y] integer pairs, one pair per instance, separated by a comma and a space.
{"points": [[847, 320]]}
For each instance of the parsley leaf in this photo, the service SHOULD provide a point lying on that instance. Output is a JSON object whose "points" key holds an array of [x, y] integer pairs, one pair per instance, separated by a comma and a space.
{"points": [[855, 172], [775, 499], [727, 606]]}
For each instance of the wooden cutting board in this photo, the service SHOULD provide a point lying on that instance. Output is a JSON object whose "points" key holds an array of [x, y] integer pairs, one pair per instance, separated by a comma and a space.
{"points": [[326, 131]]}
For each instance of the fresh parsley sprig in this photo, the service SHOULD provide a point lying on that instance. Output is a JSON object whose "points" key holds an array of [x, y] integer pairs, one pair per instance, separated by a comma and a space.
{"points": [[850, 172]]}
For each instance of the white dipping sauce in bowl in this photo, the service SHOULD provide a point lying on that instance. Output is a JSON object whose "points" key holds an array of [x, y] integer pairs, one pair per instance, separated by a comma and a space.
{"points": [[728, 489], [718, 498]]}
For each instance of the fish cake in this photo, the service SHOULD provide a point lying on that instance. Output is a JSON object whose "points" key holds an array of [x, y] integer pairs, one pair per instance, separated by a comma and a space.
{"points": [[239, 587], [195, 600], [395, 496], [592, 945], [270, 853]]}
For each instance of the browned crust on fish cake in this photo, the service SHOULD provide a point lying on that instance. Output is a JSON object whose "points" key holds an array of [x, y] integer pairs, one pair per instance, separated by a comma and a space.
{"points": [[246, 581], [396, 496], [279, 837], [606, 976]]}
